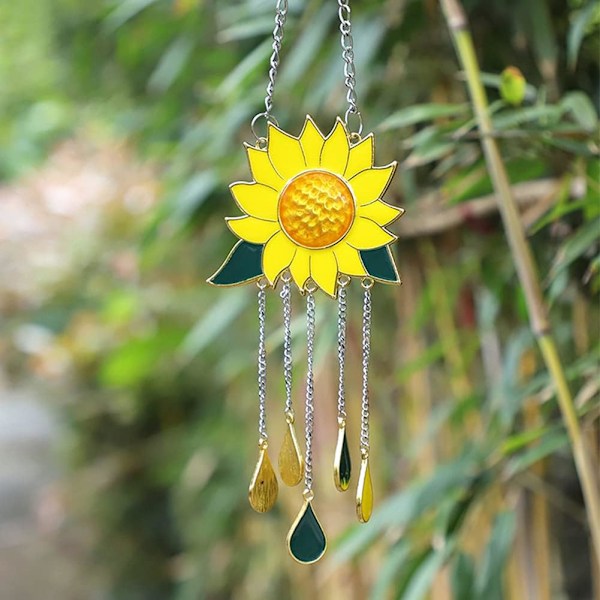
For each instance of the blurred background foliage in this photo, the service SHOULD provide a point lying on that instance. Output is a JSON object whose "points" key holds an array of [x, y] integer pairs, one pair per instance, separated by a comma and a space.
{"points": [[154, 371]]}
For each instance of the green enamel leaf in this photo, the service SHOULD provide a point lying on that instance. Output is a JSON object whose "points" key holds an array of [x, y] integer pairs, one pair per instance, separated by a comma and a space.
{"points": [[345, 464], [380, 264], [243, 264]]}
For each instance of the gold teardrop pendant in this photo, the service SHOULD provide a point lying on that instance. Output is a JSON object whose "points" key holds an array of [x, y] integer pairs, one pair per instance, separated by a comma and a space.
{"points": [[263, 489], [364, 492], [342, 466], [291, 464]]}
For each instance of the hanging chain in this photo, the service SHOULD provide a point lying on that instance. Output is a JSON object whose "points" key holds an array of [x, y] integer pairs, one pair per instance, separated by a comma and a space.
{"points": [[342, 317], [347, 42], [281, 11], [367, 284], [262, 364], [286, 297], [310, 392]]}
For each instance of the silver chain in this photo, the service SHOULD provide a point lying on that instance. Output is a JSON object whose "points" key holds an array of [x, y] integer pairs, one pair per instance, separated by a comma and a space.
{"points": [[366, 353], [286, 298], [342, 315], [262, 363], [347, 42], [310, 389], [281, 11]]}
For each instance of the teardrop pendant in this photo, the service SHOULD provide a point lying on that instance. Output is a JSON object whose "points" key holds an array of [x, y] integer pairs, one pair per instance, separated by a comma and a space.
{"points": [[306, 539], [342, 465], [263, 489], [364, 492], [291, 464]]}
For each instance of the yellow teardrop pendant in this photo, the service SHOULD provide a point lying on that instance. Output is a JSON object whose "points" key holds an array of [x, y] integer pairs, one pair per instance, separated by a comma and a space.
{"points": [[364, 492], [291, 464], [263, 487]]}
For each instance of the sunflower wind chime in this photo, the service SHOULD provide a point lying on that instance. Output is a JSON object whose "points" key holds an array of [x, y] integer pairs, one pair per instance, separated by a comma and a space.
{"points": [[313, 217]]}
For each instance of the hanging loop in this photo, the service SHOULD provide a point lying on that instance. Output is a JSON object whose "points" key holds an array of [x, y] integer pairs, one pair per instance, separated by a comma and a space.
{"points": [[281, 11], [347, 43], [261, 140]]}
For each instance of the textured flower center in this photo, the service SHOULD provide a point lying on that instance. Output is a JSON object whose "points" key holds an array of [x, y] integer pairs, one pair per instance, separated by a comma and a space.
{"points": [[316, 209]]}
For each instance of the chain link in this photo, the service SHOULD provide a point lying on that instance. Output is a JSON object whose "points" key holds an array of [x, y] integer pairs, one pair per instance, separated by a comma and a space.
{"points": [[347, 43], [286, 297], [281, 11], [366, 353], [342, 318], [310, 389], [262, 364]]}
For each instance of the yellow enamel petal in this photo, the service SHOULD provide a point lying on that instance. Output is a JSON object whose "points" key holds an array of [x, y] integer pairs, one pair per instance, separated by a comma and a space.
{"points": [[361, 157], [334, 156], [277, 256], [256, 200], [348, 260], [262, 170], [285, 153], [250, 229], [324, 270], [380, 212], [300, 267], [366, 235], [371, 184], [311, 141]]}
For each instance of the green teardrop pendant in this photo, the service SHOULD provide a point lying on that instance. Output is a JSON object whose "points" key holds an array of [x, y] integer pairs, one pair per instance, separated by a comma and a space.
{"points": [[342, 466], [306, 539]]}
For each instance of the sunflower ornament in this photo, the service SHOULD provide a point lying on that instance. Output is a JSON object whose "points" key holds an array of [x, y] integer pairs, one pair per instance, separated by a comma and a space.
{"points": [[313, 217]]}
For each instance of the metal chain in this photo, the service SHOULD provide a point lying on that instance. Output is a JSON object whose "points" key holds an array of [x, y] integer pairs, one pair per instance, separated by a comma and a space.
{"points": [[281, 11], [366, 353], [342, 317], [347, 42], [310, 390], [286, 297], [262, 363]]}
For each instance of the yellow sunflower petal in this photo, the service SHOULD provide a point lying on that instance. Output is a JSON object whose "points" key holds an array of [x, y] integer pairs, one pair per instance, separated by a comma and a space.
{"points": [[285, 153], [278, 254], [361, 157], [311, 141], [324, 270], [380, 212], [370, 184], [348, 260], [366, 234], [262, 170], [300, 267], [256, 200], [334, 156], [249, 229]]}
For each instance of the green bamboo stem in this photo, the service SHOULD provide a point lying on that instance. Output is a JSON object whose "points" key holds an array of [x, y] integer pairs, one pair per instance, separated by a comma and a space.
{"points": [[524, 262]]}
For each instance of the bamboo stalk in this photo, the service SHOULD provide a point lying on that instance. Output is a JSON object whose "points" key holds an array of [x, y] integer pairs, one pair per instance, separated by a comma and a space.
{"points": [[524, 262]]}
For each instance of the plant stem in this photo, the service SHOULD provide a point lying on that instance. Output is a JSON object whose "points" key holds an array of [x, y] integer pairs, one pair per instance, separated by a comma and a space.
{"points": [[524, 262]]}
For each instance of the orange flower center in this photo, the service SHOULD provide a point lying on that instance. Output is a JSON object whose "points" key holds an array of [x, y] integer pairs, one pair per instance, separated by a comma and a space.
{"points": [[316, 209]]}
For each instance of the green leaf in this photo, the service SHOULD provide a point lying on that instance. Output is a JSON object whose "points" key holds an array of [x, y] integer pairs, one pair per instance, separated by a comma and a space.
{"points": [[124, 11], [582, 110], [388, 573], [171, 64], [212, 324], [243, 264], [422, 112], [463, 577], [379, 264], [578, 30], [513, 118], [420, 582], [491, 571]]}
